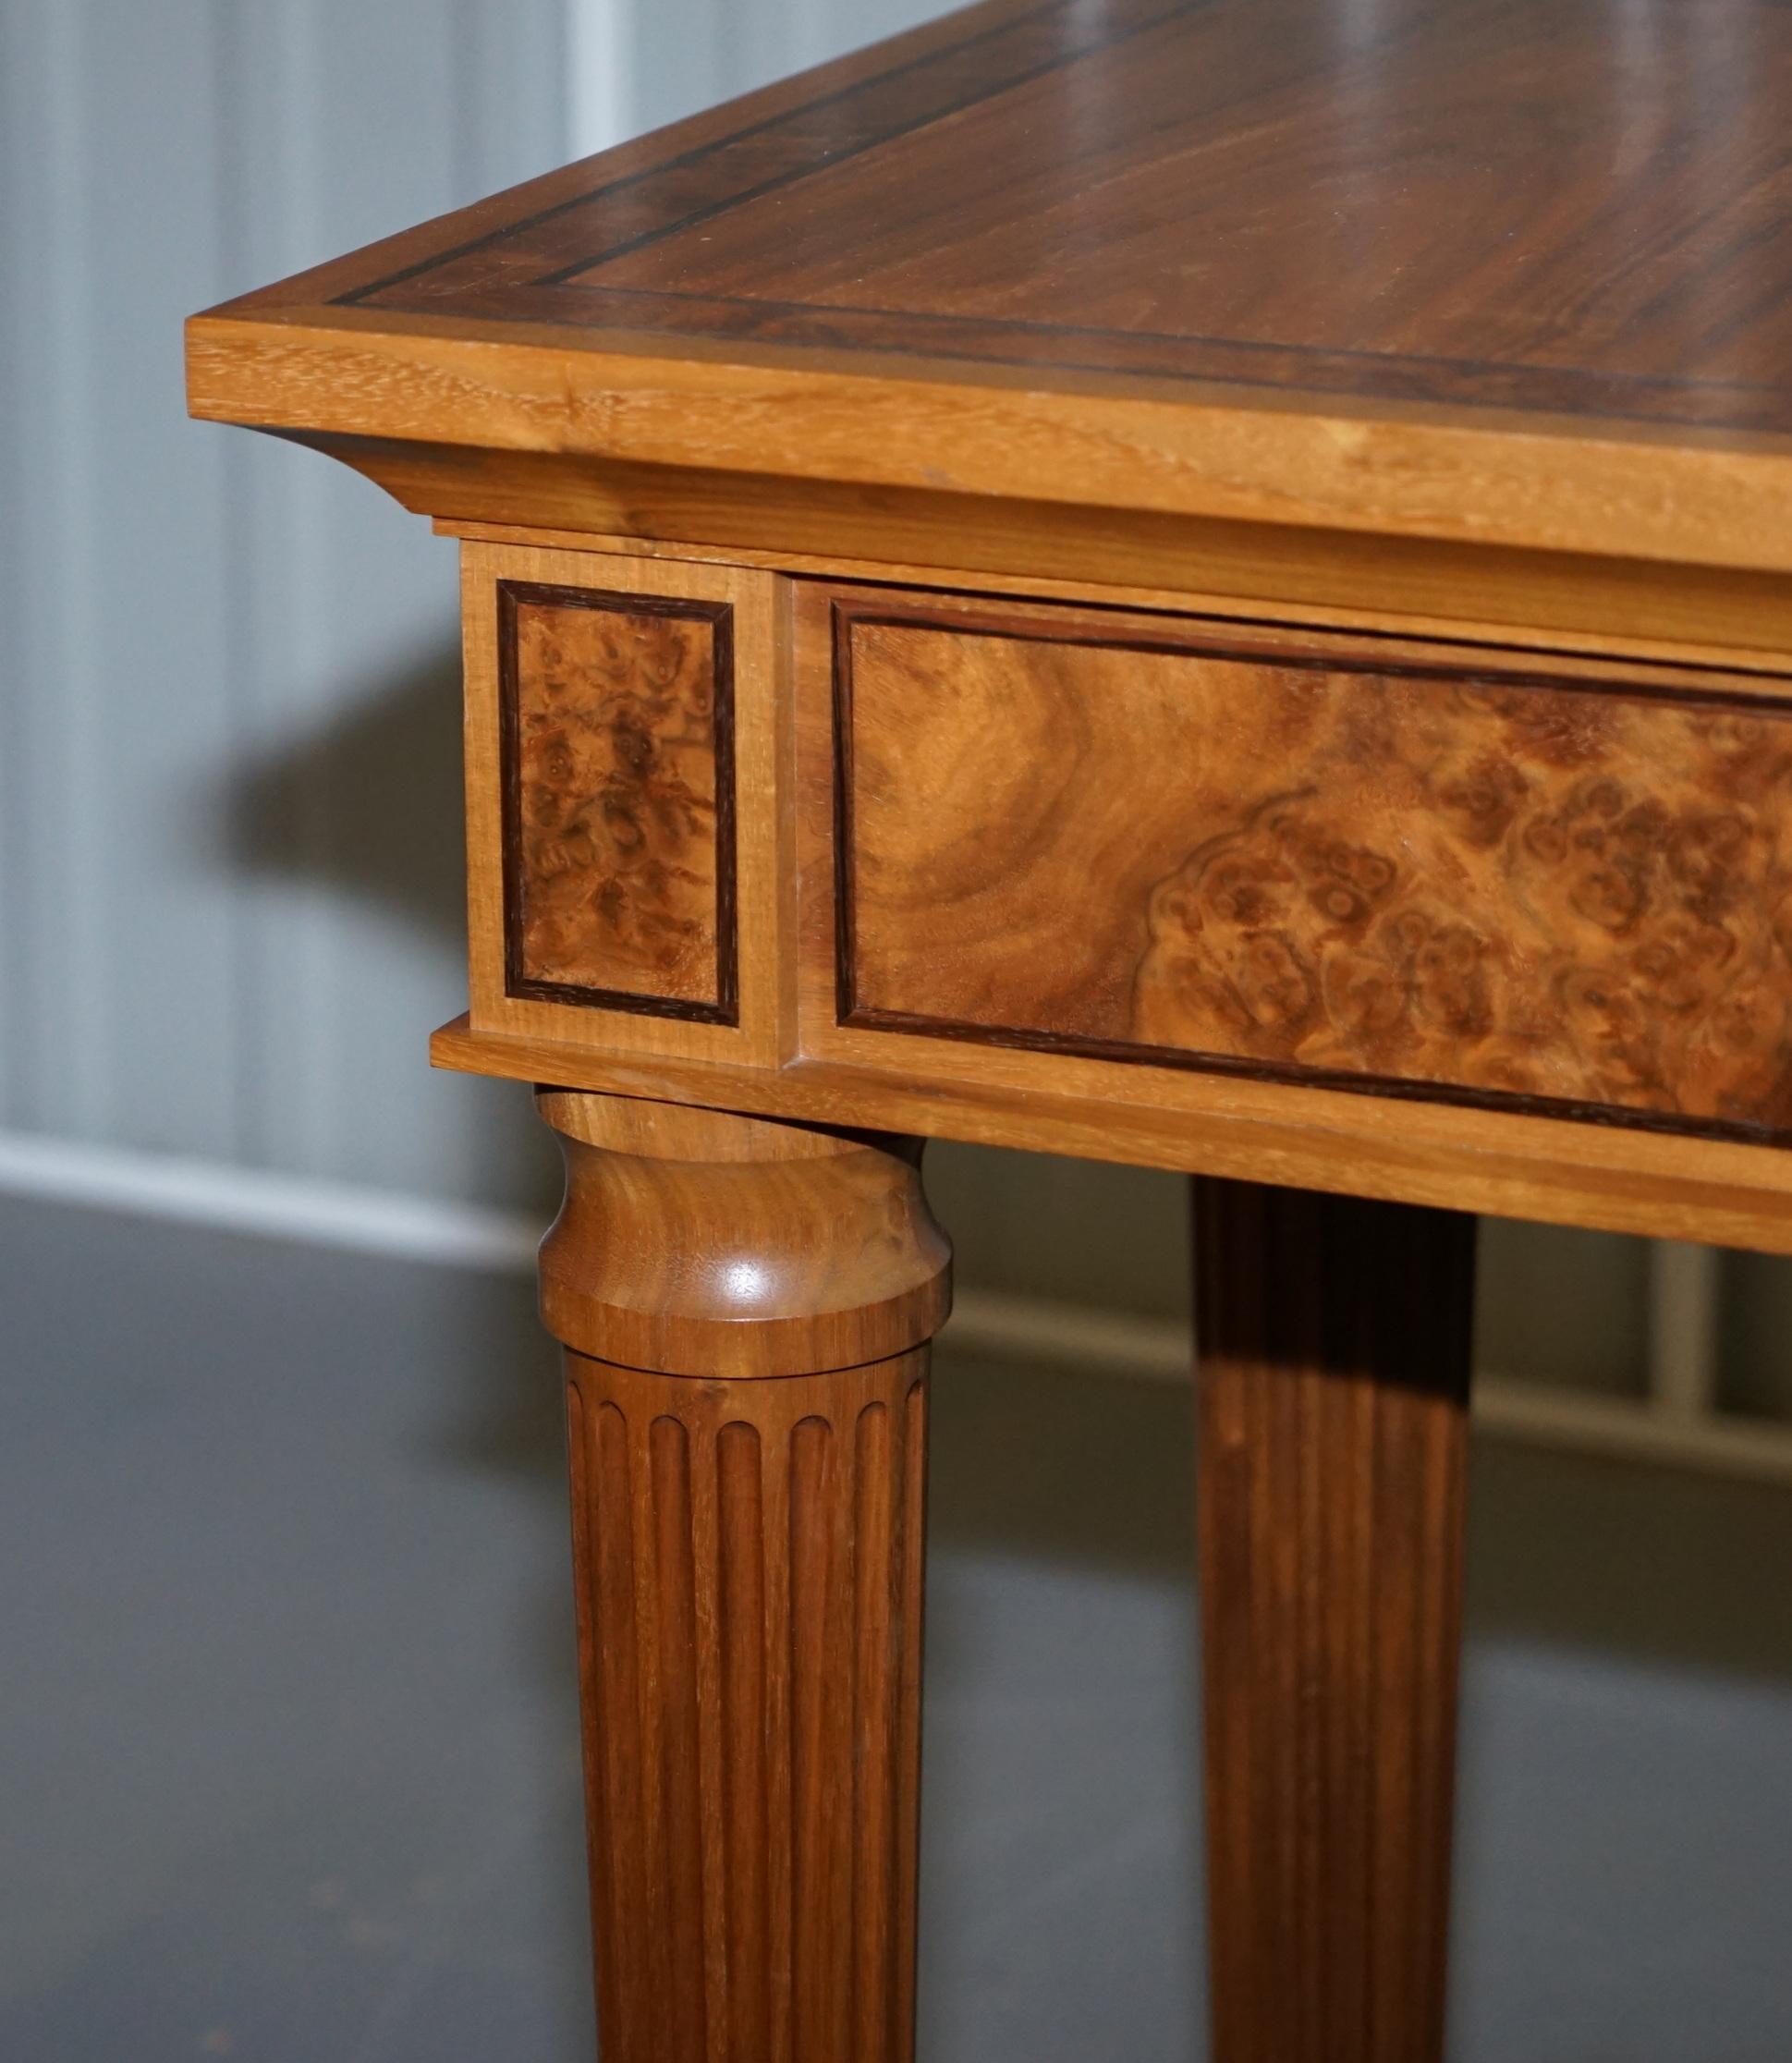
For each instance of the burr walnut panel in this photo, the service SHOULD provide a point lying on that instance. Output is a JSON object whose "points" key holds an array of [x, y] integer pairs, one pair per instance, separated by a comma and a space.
{"points": [[1421, 871], [618, 800]]}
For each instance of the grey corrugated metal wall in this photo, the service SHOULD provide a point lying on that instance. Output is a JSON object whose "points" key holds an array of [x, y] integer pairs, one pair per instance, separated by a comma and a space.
{"points": [[228, 821], [227, 729]]}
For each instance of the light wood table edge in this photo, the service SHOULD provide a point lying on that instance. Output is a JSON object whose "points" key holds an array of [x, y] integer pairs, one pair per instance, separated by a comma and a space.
{"points": [[1547, 638], [1601, 1178], [1553, 483]]}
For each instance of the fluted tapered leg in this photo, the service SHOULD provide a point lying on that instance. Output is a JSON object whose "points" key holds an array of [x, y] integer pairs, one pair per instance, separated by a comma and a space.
{"points": [[747, 1473], [1333, 1345]]}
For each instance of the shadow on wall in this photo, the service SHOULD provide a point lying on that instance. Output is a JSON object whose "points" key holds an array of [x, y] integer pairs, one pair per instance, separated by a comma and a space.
{"points": [[351, 831], [388, 767]]}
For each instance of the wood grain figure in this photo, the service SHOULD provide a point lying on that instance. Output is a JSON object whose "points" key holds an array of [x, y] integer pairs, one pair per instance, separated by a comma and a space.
{"points": [[1417, 869], [619, 799]]}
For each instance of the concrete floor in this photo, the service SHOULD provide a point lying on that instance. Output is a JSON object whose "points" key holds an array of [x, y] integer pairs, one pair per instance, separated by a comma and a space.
{"points": [[287, 1751]]}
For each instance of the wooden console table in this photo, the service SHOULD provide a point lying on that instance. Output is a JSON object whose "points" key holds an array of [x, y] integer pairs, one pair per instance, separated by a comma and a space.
{"points": [[1200, 582]]}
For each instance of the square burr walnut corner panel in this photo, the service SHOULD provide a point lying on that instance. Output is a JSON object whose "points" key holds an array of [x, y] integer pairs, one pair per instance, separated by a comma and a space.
{"points": [[618, 713]]}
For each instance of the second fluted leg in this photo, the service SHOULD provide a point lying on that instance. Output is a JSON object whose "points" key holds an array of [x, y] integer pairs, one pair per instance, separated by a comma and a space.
{"points": [[1334, 1339]]}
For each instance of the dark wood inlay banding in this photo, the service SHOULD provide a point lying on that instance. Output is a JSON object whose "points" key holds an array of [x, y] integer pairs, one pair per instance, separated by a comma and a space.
{"points": [[1525, 204]]}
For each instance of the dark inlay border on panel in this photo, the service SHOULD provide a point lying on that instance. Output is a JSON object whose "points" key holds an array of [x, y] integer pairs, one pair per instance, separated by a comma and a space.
{"points": [[515, 595]]}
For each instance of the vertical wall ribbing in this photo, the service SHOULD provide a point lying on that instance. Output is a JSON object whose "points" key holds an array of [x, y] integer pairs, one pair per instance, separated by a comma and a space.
{"points": [[210, 876]]}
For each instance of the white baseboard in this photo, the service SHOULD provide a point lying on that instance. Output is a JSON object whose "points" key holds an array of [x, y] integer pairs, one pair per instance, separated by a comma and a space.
{"points": [[1627, 1428], [1093, 1341], [275, 1206], [1070, 1335], [450, 1234], [1633, 1429]]}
